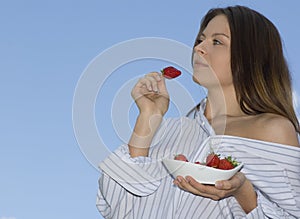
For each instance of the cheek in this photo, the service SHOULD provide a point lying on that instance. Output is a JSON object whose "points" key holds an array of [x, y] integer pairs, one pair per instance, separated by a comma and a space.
{"points": [[205, 76], [222, 71], [225, 78]]}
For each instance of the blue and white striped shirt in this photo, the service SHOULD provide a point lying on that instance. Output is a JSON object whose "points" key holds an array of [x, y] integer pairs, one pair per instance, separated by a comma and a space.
{"points": [[141, 187]]}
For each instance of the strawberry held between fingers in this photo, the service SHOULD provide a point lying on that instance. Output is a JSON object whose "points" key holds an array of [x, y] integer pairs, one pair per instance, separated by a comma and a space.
{"points": [[170, 72]]}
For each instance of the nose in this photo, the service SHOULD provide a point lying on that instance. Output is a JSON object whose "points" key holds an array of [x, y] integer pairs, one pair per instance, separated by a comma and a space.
{"points": [[200, 49]]}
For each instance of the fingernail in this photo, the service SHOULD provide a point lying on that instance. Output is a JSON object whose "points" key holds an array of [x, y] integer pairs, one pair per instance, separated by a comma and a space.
{"points": [[188, 179], [219, 185], [178, 179]]}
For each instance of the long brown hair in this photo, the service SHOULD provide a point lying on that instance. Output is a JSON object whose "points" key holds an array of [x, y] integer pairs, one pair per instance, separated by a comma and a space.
{"points": [[261, 77]]}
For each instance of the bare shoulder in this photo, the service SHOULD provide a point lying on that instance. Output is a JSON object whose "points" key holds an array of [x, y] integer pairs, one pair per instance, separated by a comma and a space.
{"points": [[275, 128]]}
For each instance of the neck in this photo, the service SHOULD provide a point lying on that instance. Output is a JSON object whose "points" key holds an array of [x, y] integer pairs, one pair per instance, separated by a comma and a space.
{"points": [[222, 102]]}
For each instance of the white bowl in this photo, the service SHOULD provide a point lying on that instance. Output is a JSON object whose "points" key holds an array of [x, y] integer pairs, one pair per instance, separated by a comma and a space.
{"points": [[203, 174]]}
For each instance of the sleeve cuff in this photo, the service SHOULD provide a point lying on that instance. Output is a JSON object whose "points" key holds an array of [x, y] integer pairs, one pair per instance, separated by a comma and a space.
{"points": [[267, 209], [139, 175]]}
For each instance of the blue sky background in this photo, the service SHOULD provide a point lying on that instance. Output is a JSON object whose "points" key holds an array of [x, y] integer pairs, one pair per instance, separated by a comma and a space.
{"points": [[44, 48]]}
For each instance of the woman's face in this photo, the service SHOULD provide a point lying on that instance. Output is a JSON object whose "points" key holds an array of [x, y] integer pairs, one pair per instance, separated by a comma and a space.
{"points": [[211, 59]]}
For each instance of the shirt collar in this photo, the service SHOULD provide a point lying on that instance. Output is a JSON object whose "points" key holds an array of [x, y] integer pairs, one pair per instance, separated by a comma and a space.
{"points": [[197, 113]]}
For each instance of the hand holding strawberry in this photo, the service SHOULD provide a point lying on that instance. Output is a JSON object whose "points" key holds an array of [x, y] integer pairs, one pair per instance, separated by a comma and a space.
{"points": [[151, 95]]}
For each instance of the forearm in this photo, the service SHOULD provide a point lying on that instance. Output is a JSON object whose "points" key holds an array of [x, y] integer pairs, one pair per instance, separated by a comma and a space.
{"points": [[246, 197], [144, 130]]}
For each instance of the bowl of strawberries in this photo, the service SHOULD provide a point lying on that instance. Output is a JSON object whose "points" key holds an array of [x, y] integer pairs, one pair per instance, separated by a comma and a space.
{"points": [[213, 167]]}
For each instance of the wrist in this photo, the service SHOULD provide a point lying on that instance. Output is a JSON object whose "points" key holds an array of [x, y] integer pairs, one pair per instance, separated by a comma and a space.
{"points": [[151, 112], [144, 130], [147, 123], [246, 196]]}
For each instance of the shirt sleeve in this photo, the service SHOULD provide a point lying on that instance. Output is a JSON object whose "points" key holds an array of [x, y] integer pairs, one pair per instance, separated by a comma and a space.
{"points": [[124, 180], [277, 185], [112, 196], [139, 176], [267, 209]]}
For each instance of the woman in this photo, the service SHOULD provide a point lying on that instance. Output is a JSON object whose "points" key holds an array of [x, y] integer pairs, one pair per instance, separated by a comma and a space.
{"points": [[248, 110]]}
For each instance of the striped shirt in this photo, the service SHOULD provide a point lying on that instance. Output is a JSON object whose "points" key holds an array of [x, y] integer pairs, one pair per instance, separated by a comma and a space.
{"points": [[141, 187]]}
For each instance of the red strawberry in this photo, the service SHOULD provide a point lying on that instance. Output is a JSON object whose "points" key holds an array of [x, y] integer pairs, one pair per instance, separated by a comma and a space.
{"points": [[212, 160], [232, 161], [225, 164], [181, 157], [170, 72]]}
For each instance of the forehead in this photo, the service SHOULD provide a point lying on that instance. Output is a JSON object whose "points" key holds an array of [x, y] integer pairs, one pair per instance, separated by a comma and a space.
{"points": [[219, 24]]}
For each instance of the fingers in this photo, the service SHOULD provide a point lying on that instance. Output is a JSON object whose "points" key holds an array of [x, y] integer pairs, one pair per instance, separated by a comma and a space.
{"points": [[150, 81], [234, 183], [150, 85], [191, 185], [184, 184], [221, 189]]}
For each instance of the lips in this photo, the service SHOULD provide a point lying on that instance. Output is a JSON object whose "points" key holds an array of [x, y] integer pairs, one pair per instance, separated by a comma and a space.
{"points": [[198, 61], [200, 64]]}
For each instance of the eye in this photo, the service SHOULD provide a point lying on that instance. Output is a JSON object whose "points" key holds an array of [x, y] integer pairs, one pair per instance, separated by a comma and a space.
{"points": [[198, 41], [217, 42]]}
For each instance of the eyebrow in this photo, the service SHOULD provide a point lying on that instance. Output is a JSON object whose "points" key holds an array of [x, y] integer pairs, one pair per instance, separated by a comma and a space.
{"points": [[216, 34]]}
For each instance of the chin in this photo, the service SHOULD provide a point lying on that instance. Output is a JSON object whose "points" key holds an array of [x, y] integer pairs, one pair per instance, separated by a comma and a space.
{"points": [[196, 80]]}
